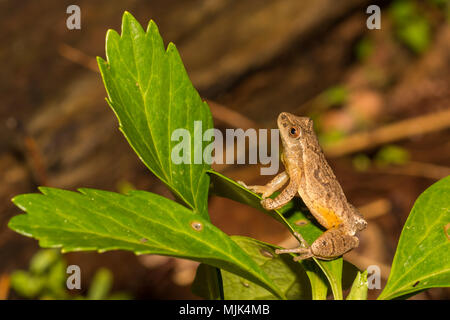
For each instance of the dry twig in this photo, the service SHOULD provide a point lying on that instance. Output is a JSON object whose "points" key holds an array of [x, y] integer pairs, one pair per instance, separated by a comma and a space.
{"points": [[389, 133]]}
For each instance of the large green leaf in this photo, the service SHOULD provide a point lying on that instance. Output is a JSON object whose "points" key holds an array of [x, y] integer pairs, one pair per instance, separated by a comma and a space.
{"points": [[422, 259], [294, 215], [151, 94], [142, 222], [288, 275]]}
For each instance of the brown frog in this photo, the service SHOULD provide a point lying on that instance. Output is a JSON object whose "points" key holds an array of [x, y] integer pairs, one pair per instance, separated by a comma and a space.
{"points": [[310, 175]]}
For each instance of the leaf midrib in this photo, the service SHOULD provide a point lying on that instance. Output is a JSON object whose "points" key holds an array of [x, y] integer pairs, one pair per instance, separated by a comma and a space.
{"points": [[138, 80], [190, 235], [163, 179]]}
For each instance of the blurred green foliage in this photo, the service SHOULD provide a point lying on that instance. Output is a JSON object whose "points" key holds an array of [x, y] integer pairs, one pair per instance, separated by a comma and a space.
{"points": [[361, 162], [364, 48], [46, 280], [411, 27], [124, 187], [328, 138], [335, 96], [391, 154], [387, 155]]}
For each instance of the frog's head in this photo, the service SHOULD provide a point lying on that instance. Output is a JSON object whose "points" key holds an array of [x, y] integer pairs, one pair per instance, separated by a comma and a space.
{"points": [[294, 130]]}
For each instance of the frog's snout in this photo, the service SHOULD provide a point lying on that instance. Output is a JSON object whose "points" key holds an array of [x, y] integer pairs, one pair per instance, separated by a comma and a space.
{"points": [[283, 120]]}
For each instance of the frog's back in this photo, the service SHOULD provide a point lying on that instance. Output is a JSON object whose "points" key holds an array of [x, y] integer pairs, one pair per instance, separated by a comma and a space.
{"points": [[323, 194]]}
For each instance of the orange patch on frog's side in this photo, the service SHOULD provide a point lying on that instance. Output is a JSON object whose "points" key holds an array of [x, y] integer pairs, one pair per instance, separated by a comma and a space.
{"points": [[446, 231], [329, 217]]}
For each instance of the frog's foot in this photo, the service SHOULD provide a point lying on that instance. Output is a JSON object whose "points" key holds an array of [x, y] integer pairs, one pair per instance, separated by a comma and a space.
{"points": [[271, 204], [263, 190], [304, 249]]}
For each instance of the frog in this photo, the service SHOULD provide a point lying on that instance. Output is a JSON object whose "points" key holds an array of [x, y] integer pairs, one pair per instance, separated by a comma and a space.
{"points": [[308, 175]]}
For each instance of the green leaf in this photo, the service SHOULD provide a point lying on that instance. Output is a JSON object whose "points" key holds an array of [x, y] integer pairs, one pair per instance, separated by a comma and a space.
{"points": [[359, 288], [411, 26], [422, 259], [151, 94], [141, 222], [392, 154], [43, 260], [364, 48], [203, 285], [416, 35], [101, 285], [27, 285], [287, 274], [292, 215], [56, 280], [317, 279], [335, 95]]}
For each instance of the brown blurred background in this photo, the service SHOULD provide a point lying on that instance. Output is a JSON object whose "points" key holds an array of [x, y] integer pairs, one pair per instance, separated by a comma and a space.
{"points": [[380, 100]]}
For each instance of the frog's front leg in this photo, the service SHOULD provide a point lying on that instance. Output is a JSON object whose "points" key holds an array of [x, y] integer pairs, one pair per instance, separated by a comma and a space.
{"points": [[284, 197], [274, 185]]}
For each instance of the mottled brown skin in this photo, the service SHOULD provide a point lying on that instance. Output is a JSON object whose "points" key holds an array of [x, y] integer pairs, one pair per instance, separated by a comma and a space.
{"points": [[310, 175]]}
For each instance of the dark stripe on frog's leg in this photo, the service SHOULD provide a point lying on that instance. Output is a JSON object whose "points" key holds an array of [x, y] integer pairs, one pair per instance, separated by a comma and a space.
{"points": [[334, 243]]}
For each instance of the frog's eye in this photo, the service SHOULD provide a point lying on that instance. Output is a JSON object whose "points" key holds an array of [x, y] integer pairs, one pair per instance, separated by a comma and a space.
{"points": [[295, 132]]}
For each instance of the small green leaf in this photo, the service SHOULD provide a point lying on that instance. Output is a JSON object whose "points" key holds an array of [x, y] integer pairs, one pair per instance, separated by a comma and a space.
{"points": [[288, 275], [359, 288], [364, 48], [335, 95], [141, 222], [101, 285], [203, 285], [56, 280], [416, 35], [27, 285], [151, 94], [361, 162], [292, 215], [328, 138], [392, 154], [411, 26], [319, 283], [422, 259], [43, 260]]}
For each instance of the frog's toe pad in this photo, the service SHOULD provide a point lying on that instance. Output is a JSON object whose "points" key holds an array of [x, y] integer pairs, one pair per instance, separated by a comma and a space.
{"points": [[268, 204]]}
